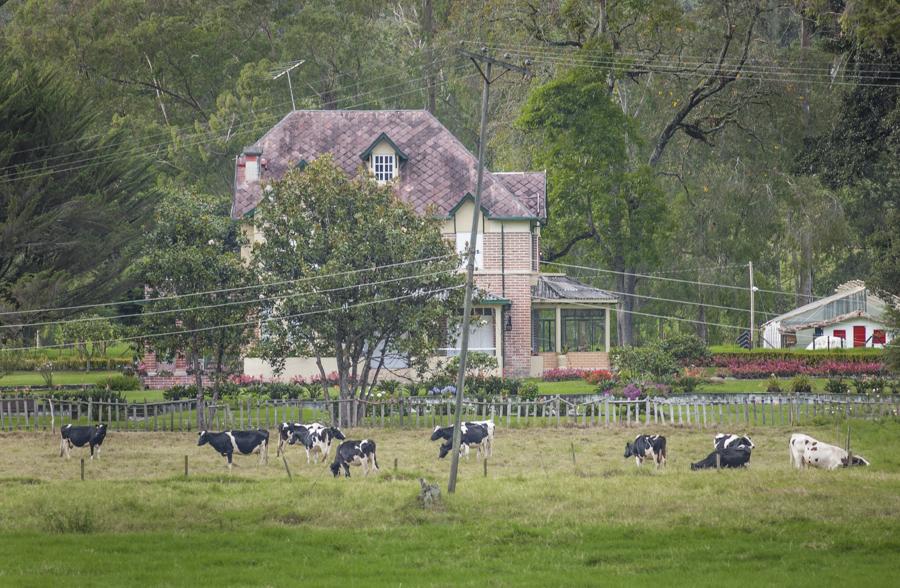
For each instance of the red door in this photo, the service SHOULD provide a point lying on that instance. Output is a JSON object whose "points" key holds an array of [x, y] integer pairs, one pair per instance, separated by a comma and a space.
{"points": [[859, 336]]}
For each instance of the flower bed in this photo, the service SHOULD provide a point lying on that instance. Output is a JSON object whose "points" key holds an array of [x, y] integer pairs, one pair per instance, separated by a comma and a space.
{"points": [[750, 367], [563, 374]]}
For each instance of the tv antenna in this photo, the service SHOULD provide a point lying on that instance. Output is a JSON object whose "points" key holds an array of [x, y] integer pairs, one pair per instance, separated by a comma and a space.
{"points": [[285, 70]]}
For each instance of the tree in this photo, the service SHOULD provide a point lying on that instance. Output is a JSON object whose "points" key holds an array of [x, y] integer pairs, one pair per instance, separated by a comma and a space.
{"points": [[90, 335], [65, 229], [597, 199], [195, 248], [358, 293]]}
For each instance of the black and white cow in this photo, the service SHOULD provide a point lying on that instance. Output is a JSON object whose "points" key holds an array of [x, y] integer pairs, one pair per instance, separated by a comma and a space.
{"points": [[725, 440], [357, 453], [316, 440], [81, 436], [473, 436], [647, 446], [286, 431], [729, 457], [227, 443]]}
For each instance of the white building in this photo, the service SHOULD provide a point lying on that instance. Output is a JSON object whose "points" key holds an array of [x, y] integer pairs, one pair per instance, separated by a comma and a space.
{"points": [[851, 317]]}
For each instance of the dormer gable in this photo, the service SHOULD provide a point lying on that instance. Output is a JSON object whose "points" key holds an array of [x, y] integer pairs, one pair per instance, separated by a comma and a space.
{"points": [[383, 158]]}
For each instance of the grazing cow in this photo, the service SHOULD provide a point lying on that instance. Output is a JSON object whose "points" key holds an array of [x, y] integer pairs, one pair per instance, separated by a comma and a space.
{"points": [[472, 436], [81, 436], [316, 441], [489, 442], [730, 457], [358, 453], [227, 443], [829, 457], [647, 446], [796, 447], [287, 430], [726, 440]]}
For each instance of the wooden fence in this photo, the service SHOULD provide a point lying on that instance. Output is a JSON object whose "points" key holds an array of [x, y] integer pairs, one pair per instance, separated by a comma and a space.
{"points": [[29, 413]]}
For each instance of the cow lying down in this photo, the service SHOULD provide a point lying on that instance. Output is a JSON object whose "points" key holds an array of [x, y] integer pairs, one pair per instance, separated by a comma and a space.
{"points": [[357, 453], [227, 443], [81, 436], [807, 451], [730, 457]]}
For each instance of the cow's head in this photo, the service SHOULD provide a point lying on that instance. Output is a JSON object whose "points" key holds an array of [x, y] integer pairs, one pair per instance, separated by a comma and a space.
{"points": [[445, 449], [629, 450], [857, 461], [101, 426], [202, 438], [335, 468], [336, 433], [294, 438], [437, 434], [746, 442]]}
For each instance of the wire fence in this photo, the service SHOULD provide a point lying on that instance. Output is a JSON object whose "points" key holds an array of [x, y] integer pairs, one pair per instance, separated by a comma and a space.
{"points": [[34, 413]]}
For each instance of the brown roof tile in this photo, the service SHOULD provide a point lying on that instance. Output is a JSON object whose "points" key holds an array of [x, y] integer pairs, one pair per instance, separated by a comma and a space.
{"points": [[440, 171]]}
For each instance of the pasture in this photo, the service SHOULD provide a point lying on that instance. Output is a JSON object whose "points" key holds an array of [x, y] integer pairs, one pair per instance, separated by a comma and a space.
{"points": [[535, 519]]}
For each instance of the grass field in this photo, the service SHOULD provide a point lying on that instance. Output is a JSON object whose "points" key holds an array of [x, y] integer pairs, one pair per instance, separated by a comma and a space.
{"points": [[536, 519], [59, 378]]}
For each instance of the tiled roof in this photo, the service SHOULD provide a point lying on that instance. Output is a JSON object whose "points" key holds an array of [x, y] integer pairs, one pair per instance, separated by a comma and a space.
{"points": [[440, 170], [565, 288]]}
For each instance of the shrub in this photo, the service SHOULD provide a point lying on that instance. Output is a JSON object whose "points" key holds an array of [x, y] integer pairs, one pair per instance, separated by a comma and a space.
{"points": [[93, 394], [871, 385], [686, 384], [836, 386], [528, 390], [632, 391], [122, 383], [686, 349], [646, 363], [773, 385], [801, 384], [562, 374], [478, 365], [180, 392], [597, 377]]}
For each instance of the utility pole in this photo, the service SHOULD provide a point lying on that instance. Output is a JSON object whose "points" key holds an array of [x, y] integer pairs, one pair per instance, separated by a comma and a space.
{"points": [[286, 70], [752, 307], [478, 59]]}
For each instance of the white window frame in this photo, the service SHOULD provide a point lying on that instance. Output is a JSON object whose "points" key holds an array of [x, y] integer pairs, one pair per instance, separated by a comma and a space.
{"points": [[462, 246], [384, 166]]}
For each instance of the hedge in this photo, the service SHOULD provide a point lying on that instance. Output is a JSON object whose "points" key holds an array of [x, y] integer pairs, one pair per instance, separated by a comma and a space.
{"points": [[808, 357], [10, 363]]}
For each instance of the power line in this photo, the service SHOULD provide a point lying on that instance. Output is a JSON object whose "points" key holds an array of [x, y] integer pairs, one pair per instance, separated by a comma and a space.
{"points": [[229, 303], [240, 324], [225, 290], [669, 317]]}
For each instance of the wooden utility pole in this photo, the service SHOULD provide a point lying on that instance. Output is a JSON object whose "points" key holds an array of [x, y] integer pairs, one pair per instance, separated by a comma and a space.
{"points": [[478, 59], [752, 308]]}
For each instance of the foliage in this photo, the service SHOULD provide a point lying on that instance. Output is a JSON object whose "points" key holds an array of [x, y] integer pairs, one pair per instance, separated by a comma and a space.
{"points": [[562, 374], [19, 362], [836, 386], [808, 357], [773, 385], [632, 391], [650, 362], [686, 349], [86, 394], [528, 391], [478, 365], [46, 371], [122, 383], [800, 384], [328, 232], [749, 367], [686, 384], [871, 386], [90, 334], [598, 377]]}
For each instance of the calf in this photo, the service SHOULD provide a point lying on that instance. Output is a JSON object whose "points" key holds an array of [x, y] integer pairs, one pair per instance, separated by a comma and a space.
{"points": [[730, 457], [829, 457], [245, 442], [81, 436], [797, 446], [725, 440], [358, 453], [316, 441], [287, 430], [472, 435], [647, 446]]}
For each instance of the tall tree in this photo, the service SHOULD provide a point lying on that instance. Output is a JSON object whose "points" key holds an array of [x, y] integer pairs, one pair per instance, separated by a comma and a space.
{"points": [[358, 293]]}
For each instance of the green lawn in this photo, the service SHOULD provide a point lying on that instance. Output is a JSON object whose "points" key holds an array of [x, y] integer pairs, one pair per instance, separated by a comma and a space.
{"points": [[59, 378], [565, 387], [535, 520]]}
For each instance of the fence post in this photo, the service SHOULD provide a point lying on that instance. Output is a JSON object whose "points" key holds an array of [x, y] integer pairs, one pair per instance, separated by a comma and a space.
{"points": [[557, 411], [185, 466], [647, 412], [82, 469]]}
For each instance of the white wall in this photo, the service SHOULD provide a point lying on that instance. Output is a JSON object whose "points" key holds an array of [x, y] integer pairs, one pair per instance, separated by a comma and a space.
{"points": [[805, 336]]}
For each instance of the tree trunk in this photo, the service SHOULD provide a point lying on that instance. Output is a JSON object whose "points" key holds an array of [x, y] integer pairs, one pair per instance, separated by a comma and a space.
{"points": [[805, 285], [626, 283], [198, 381], [428, 36], [702, 328]]}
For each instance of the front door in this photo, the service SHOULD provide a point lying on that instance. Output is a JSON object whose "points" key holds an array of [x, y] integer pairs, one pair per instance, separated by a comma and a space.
{"points": [[859, 336]]}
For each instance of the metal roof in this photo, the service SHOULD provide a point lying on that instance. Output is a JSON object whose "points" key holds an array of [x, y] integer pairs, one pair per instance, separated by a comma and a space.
{"points": [[564, 288]]}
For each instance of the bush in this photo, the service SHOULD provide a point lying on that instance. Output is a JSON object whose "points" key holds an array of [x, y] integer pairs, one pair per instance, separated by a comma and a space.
{"points": [[632, 391], [686, 384], [871, 386], [836, 386], [10, 362], [122, 383], [598, 377], [773, 385], [750, 367], [801, 384], [528, 390], [645, 363], [478, 365], [562, 374], [686, 349], [94, 394], [180, 392]]}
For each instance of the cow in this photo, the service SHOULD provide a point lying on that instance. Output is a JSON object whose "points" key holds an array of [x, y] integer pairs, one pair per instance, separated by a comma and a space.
{"points": [[489, 442], [647, 446], [829, 457], [729, 457], [472, 436], [796, 447], [316, 440], [358, 453], [81, 436], [227, 443], [286, 431], [726, 440]]}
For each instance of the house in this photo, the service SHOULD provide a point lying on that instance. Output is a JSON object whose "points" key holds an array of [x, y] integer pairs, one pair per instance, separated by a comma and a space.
{"points": [[526, 319], [851, 317]]}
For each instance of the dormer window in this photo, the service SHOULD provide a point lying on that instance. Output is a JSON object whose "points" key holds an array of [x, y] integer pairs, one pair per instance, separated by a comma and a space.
{"points": [[383, 166]]}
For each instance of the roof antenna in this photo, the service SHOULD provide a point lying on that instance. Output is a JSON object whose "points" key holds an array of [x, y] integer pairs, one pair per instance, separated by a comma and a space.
{"points": [[286, 70]]}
